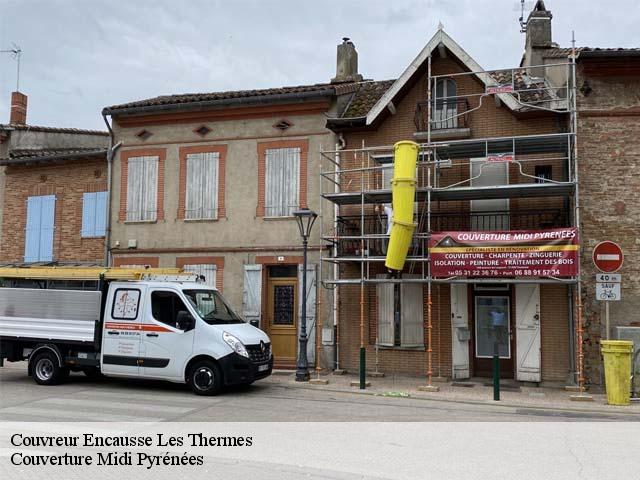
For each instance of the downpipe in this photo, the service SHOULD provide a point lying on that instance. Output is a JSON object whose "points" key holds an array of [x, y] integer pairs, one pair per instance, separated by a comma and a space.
{"points": [[110, 154]]}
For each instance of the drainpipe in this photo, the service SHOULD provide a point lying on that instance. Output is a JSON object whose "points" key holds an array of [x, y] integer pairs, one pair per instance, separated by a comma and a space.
{"points": [[110, 154], [336, 269]]}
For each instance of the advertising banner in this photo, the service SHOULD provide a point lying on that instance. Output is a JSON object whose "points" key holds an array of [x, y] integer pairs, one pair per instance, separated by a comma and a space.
{"points": [[517, 253]]}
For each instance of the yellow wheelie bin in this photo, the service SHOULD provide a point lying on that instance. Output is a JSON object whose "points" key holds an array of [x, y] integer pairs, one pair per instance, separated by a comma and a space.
{"points": [[617, 370]]}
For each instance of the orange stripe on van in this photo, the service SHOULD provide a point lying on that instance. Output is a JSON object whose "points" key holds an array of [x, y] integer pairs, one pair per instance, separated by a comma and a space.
{"points": [[147, 327]]}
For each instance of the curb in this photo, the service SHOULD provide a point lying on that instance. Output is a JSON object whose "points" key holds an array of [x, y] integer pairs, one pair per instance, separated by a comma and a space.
{"points": [[491, 403]]}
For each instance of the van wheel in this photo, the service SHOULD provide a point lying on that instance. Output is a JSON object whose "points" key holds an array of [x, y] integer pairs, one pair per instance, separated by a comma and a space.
{"points": [[205, 378], [46, 370]]}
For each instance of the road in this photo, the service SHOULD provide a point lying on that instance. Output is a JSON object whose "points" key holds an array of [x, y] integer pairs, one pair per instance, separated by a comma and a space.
{"points": [[82, 399]]}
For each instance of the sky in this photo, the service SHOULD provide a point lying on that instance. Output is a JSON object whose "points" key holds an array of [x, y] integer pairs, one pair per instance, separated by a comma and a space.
{"points": [[82, 55]]}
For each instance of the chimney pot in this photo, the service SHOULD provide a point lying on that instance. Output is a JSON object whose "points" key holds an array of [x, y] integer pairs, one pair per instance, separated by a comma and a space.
{"points": [[18, 114]]}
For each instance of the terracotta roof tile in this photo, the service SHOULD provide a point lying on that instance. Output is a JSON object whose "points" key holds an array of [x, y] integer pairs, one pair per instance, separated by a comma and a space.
{"points": [[38, 128], [365, 97]]}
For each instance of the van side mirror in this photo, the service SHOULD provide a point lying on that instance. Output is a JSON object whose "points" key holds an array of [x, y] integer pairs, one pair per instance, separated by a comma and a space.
{"points": [[254, 322], [185, 321]]}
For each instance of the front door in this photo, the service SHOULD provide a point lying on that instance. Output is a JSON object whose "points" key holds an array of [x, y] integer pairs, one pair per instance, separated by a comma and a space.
{"points": [[282, 319], [492, 329]]}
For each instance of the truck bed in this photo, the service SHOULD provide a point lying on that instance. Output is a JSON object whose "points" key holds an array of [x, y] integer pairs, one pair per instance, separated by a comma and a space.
{"points": [[47, 314]]}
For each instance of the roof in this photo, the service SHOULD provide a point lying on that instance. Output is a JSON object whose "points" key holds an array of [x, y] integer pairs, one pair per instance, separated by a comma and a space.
{"points": [[31, 155], [165, 102], [439, 38], [557, 52], [366, 95], [37, 128]]}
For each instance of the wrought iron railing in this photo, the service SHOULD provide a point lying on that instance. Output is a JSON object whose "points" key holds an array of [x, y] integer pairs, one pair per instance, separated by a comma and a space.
{"points": [[376, 225], [446, 113]]}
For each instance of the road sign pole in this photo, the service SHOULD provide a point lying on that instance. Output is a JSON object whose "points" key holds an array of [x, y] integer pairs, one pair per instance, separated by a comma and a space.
{"points": [[606, 320]]}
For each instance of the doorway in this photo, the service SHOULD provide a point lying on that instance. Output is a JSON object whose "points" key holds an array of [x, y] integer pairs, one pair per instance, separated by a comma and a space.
{"points": [[492, 326], [282, 314]]}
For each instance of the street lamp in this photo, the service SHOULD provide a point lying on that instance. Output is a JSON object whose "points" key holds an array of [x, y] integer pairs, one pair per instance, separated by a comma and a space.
{"points": [[305, 219]]}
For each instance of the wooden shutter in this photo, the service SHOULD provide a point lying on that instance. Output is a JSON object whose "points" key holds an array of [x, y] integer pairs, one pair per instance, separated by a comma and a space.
{"points": [[252, 293], [101, 213], [528, 332], [88, 215], [459, 331], [150, 208], [202, 186], [208, 271], [386, 311], [142, 188], [32, 234], [411, 315], [282, 181], [311, 309]]}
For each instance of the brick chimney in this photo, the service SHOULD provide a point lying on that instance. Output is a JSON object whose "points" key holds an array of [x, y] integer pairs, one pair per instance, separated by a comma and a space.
{"points": [[538, 36], [18, 108], [347, 63]]}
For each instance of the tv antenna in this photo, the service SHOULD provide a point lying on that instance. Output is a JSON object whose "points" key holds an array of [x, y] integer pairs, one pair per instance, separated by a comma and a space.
{"points": [[523, 24], [16, 53]]}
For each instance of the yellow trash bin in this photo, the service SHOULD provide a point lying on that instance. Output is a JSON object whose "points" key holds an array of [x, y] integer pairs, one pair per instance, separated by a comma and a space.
{"points": [[617, 370]]}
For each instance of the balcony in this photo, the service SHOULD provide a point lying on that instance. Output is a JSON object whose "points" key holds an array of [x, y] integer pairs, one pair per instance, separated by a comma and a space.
{"points": [[450, 119], [375, 227]]}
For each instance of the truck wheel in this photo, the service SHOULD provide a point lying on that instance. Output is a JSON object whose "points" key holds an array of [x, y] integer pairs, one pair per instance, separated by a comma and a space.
{"points": [[46, 370], [205, 378]]}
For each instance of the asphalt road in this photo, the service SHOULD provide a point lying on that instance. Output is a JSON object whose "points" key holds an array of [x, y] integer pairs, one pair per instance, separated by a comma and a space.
{"points": [[109, 400]]}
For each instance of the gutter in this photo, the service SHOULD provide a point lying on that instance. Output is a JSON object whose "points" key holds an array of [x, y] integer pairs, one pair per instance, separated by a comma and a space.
{"points": [[110, 154], [346, 122], [254, 100]]}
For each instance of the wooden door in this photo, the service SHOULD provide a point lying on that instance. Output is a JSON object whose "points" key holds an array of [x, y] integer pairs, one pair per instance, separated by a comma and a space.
{"points": [[282, 319]]}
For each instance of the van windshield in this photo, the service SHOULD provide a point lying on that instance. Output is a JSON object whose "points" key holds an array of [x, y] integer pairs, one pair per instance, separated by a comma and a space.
{"points": [[211, 307]]}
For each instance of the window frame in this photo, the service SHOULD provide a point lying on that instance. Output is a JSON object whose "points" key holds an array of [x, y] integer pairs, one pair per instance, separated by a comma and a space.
{"points": [[124, 178], [201, 212], [282, 210]]}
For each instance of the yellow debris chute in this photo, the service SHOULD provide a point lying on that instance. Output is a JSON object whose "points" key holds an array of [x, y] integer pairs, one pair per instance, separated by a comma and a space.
{"points": [[403, 187]]}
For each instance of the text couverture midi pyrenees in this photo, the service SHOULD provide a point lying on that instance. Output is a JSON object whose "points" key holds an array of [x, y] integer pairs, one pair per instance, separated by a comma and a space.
{"points": [[110, 458]]}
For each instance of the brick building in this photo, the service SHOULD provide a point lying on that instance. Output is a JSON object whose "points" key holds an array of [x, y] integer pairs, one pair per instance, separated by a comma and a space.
{"points": [[53, 191], [209, 182], [463, 115]]}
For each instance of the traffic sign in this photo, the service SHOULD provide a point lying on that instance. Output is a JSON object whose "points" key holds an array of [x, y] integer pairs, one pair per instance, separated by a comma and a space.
{"points": [[608, 292], [608, 277], [608, 256]]}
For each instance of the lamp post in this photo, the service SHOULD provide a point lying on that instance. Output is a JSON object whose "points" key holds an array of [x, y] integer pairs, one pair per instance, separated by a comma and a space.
{"points": [[305, 219]]}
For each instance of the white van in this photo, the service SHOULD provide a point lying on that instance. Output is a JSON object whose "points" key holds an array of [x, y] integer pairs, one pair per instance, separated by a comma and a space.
{"points": [[168, 330]]}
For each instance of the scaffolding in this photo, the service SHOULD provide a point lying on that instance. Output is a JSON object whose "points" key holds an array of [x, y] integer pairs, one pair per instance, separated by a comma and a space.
{"points": [[355, 182]]}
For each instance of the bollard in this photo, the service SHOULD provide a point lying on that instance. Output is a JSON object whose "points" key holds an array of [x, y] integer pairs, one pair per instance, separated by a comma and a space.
{"points": [[362, 368], [496, 372]]}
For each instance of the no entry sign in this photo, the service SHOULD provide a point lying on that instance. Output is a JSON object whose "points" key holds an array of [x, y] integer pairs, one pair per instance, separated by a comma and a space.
{"points": [[608, 257]]}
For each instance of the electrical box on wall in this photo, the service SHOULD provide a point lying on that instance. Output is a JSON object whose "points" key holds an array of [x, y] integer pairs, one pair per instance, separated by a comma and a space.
{"points": [[133, 243], [327, 336]]}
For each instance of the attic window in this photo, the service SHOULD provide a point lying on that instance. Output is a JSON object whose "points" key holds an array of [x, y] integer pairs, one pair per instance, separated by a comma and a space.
{"points": [[143, 134], [283, 125], [202, 130]]}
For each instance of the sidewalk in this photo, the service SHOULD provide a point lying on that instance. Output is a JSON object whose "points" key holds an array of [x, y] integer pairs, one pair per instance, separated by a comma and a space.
{"points": [[478, 393]]}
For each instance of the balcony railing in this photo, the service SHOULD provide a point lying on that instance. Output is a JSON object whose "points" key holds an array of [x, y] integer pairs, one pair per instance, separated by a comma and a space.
{"points": [[349, 226], [447, 113]]}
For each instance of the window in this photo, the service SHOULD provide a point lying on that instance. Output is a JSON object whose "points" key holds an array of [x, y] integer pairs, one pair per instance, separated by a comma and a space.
{"points": [[202, 186], [165, 307], [400, 315], [94, 214], [543, 173], [203, 270], [282, 179], [445, 104], [125, 304], [142, 189], [211, 307], [38, 245]]}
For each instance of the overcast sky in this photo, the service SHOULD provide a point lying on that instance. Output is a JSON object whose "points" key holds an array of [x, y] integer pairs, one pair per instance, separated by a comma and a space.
{"points": [[82, 55]]}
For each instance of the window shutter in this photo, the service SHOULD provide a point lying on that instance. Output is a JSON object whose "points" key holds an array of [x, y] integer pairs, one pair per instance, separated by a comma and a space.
{"points": [[282, 181], [142, 188], [32, 237], [151, 186], [385, 314], [412, 315], [311, 309], [252, 293], [101, 213], [202, 186], [208, 271]]}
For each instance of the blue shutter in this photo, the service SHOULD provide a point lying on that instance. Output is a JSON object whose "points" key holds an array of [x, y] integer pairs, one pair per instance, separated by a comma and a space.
{"points": [[88, 214], [101, 214], [47, 226], [32, 234]]}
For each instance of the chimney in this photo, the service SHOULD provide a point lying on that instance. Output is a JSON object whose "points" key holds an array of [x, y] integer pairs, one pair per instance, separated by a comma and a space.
{"points": [[347, 63], [18, 108], [538, 36]]}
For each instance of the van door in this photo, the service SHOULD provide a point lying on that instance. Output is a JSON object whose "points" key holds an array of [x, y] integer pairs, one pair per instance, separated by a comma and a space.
{"points": [[122, 330], [165, 347]]}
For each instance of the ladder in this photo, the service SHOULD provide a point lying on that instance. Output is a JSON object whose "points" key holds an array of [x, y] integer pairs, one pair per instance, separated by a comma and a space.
{"points": [[97, 273]]}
